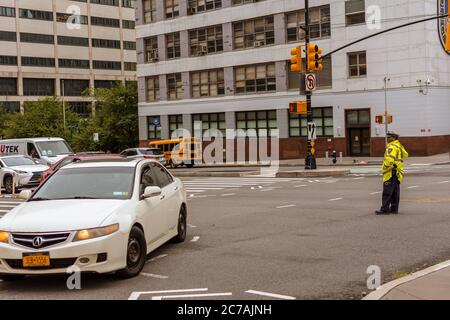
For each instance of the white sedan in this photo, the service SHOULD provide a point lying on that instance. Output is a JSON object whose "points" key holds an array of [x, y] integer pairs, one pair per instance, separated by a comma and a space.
{"points": [[100, 216], [20, 171]]}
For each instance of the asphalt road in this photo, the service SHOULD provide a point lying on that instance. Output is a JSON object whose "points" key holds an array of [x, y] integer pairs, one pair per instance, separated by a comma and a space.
{"points": [[296, 238]]}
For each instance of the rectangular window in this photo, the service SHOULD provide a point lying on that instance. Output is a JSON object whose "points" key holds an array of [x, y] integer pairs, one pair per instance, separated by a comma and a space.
{"points": [[357, 64], [105, 22], [324, 77], [240, 2], [8, 60], [173, 45], [65, 17], [320, 24], [104, 84], [355, 12], [106, 2], [106, 43], [7, 12], [83, 108], [151, 49], [107, 65], [172, 8], [10, 106], [128, 24], [210, 121], [255, 78], [195, 6], [130, 66], [322, 117], [73, 63], [254, 33], [8, 36], [73, 87], [206, 40], [8, 86], [36, 14], [129, 45], [38, 87], [175, 122], [154, 127], [174, 86], [152, 85], [208, 83], [37, 38], [38, 62], [73, 41], [149, 10], [128, 3], [263, 122]]}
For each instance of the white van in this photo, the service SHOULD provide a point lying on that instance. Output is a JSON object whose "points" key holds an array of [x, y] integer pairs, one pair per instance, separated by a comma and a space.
{"points": [[46, 150]]}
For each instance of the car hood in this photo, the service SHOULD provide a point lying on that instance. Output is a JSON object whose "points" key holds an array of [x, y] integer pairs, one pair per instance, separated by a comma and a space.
{"points": [[59, 215], [31, 168]]}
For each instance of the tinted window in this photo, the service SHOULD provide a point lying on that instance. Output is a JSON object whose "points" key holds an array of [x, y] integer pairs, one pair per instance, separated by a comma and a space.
{"points": [[147, 179], [161, 174], [152, 152]]}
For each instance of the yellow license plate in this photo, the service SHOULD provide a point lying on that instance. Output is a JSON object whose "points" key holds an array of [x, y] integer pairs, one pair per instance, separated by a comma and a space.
{"points": [[36, 260]]}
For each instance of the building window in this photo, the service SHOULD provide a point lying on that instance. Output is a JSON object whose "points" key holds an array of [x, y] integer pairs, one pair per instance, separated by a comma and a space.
{"points": [[8, 60], [357, 64], [10, 106], [8, 86], [73, 63], [38, 87], [254, 33], [210, 121], [152, 85], [151, 49], [128, 24], [174, 86], [322, 117], [8, 36], [36, 14], [128, 3], [129, 45], [106, 2], [38, 62], [104, 84], [195, 6], [154, 127], [7, 12], [173, 45], [74, 88], [175, 123], [320, 24], [106, 43], [209, 83], [129, 66], [73, 41], [240, 2], [205, 40], [255, 78], [83, 108], [149, 10], [37, 38], [107, 65], [65, 17], [105, 22], [263, 122], [355, 12], [172, 8], [324, 77]]}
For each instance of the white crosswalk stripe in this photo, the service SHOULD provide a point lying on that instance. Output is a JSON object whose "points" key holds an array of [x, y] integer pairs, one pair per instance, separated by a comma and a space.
{"points": [[7, 205]]}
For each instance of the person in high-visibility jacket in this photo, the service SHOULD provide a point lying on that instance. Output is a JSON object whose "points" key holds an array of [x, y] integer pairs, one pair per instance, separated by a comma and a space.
{"points": [[392, 174]]}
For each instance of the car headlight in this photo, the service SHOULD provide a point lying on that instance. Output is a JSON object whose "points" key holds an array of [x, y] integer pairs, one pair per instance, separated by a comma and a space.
{"points": [[95, 233], [20, 171], [4, 236]]}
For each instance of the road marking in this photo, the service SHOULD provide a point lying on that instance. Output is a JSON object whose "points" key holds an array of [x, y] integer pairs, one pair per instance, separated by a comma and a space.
{"points": [[11, 202], [267, 190], [228, 194], [191, 226], [287, 206], [444, 182], [336, 199], [204, 295], [191, 195], [195, 239], [157, 276], [300, 186], [157, 258], [272, 295], [135, 295], [4, 211], [359, 178], [378, 192], [413, 187]]}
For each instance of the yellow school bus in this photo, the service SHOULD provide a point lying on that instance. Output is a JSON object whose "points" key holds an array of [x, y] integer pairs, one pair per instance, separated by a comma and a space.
{"points": [[181, 151]]}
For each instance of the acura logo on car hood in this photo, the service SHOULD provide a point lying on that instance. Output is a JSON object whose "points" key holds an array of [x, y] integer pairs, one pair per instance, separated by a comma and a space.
{"points": [[37, 241]]}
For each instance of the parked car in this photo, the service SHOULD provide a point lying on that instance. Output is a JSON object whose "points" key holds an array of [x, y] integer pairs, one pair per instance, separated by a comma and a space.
{"points": [[20, 171], [148, 153], [100, 216], [75, 158]]}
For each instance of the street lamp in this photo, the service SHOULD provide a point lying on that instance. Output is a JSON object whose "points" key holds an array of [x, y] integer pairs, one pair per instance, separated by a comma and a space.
{"points": [[63, 106], [386, 81]]}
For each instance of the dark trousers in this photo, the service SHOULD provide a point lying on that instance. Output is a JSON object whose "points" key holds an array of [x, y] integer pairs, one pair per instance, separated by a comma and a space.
{"points": [[391, 195]]}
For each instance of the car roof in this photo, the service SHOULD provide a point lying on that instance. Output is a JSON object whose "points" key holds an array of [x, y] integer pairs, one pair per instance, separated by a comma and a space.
{"points": [[111, 162], [14, 156], [33, 139], [93, 156]]}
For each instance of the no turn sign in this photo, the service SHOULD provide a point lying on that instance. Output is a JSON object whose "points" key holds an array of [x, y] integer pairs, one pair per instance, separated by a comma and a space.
{"points": [[311, 82]]}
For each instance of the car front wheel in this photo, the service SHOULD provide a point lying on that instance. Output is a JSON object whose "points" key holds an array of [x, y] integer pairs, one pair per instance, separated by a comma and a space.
{"points": [[136, 253], [8, 184], [182, 226]]}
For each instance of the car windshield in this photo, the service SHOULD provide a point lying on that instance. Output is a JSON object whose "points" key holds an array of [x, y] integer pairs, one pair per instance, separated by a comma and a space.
{"points": [[88, 183], [151, 152], [18, 161], [53, 148]]}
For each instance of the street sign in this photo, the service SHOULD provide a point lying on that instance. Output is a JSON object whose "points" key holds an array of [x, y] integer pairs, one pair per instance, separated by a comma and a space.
{"points": [[96, 137], [311, 82], [312, 132]]}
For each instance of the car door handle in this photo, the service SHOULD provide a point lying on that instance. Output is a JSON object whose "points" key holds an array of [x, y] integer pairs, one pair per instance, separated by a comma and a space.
{"points": [[162, 197], [175, 188]]}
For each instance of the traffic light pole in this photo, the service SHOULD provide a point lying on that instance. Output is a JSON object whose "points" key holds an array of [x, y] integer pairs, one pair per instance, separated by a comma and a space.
{"points": [[310, 160]]}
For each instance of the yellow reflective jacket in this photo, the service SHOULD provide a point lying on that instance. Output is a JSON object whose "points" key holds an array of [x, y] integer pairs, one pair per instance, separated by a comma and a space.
{"points": [[393, 159]]}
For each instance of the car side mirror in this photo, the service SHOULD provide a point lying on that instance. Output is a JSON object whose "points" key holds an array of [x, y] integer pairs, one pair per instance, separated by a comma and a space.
{"points": [[25, 194], [151, 192]]}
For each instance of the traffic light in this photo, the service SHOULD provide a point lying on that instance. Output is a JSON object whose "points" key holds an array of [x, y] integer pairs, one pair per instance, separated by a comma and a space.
{"points": [[314, 56], [379, 119], [298, 107], [296, 59]]}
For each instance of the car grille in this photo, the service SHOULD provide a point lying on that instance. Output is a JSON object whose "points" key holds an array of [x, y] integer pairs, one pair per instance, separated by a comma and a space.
{"points": [[32, 240], [54, 264]]}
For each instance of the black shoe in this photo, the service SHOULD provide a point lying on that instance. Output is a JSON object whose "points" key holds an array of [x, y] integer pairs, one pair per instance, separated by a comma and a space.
{"points": [[393, 212], [381, 212]]}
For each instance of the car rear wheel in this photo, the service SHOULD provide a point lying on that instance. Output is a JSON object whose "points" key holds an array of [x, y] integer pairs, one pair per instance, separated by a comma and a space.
{"points": [[136, 253], [182, 226], [8, 184]]}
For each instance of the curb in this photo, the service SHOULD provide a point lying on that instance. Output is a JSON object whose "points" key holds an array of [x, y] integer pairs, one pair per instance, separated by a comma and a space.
{"points": [[313, 174], [383, 290]]}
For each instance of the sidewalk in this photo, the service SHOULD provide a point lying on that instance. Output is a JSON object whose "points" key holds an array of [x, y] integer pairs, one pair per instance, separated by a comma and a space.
{"points": [[432, 283]]}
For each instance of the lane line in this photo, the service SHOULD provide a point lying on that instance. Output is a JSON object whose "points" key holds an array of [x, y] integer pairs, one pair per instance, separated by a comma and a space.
{"points": [[204, 295], [157, 258], [11, 202], [272, 295], [264, 190], [444, 182], [195, 239], [152, 275], [191, 226], [413, 187], [336, 199], [300, 186], [228, 194], [135, 295], [287, 206], [378, 192]]}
